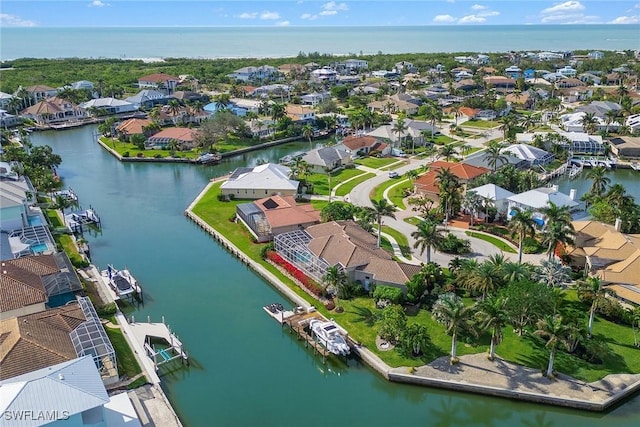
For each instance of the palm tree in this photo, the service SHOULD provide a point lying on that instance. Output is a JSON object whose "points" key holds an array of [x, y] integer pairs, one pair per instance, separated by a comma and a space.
{"points": [[591, 289], [495, 158], [399, 128], [450, 311], [382, 208], [610, 117], [411, 174], [416, 337], [556, 332], [278, 111], [447, 151], [508, 123], [485, 279], [492, 315], [635, 325], [558, 229], [62, 203], [589, 123], [334, 278], [174, 109], [449, 192], [515, 271], [307, 132], [426, 237], [600, 180], [522, 225], [472, 201]]}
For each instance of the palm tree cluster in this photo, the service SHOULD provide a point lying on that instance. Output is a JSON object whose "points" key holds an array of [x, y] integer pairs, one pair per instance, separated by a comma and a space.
{"points": [[608, 203]]}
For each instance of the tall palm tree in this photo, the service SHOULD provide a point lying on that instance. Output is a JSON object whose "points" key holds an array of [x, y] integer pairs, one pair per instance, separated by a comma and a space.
{"points": [[485, 279], [426, 237], [589, 123], [447, 151], [278, 111], [472, 202], [591, 289], [173, 107], [558, 229], [507, 124], [334, 279], [556, 332], [382, 208], [400, 129], [493, 316], [450, 311], [635, 325], [600, 180], [610, 117], [449, 192], [307, 132], [522, 225], [495, 158]]}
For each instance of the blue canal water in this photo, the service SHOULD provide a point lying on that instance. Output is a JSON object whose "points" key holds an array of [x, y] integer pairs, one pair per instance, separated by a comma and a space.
{"points": [[246, 370]]}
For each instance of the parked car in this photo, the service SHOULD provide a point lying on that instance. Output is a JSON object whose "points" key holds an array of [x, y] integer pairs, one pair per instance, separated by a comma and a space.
{"points": [[393, 174]]}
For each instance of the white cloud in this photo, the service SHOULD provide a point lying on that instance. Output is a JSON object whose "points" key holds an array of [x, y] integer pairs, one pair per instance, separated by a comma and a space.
{"points": [[7, 20], [626, 20], [478, 7], [488, 13], [332, 5], [266, 15], [471, 19], [328, 12], [98, 3], [570, 18], [308, 16], [248, 15], [444, 18], [568, 6], [283, 24]]}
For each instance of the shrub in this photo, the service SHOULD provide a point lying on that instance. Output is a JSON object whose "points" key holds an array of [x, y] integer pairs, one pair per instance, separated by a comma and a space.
{"points": [[293, 271], [530, 246], [613, 311], [390, 293], [157, 156], [125, 154], [454, 245], [350, 166], [107, 309], [265, 249]]}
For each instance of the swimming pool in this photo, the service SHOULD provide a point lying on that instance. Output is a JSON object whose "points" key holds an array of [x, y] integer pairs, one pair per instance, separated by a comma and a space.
{"points": [[34, 220], [39, 248]]}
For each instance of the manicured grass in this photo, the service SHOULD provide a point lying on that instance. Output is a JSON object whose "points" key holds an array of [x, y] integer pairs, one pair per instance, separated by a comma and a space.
{"points": [[377, 192], [126, 147], [441, 140], [375, 162], [396, 165], [473, 150], [319, 204], [127, 364], [346, 188], [400, 238], [320, 181], [482, 124], [54, 218], [396, 194], [413, 220], [494, 241], [69, 247]]}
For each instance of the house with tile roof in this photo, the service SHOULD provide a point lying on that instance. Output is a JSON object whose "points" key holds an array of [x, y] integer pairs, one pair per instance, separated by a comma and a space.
{"points": [[133, 127], [327, 158], [300, 113], [70, 393], [53, 110], [270, 216], [609, 255], [39, 92], [159, 81], [261, 181], [22, 291], [347, 245], [428, 186], [184, 138], [364, 144]]}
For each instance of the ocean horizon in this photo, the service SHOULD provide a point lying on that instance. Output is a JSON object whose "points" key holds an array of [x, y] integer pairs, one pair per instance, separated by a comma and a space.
{"points": [[274, 42]]}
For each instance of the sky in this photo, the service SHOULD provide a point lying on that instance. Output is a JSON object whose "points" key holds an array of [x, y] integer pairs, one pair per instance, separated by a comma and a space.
{"points": [[206, 13]]}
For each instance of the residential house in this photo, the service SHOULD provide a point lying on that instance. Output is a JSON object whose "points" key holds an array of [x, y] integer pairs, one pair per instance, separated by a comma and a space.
{"points": [[365, 145], [590, 79], [575, 94], [9, 120], [347, 245], [465, 85], [573, 122], [393, 105], [184, 138], [300, 113], [427, 184], [538, 199], [262, 128], [596, 54], [467, 113], [609, 255], [54, 336], [522, 100], [384, 74], [352, 66], [512, 71], [417, 132], [528, 154], [109, 105], [148, 98], [567, 83], [270, 216], [567, 71], [500, 83], [633, 122], [159, 81], [280, 90], [314, 98], [626, 146], [576, 142], [324, 75], [54, 110], [602, 109], [326, 159], [250, 105], [5, 99], [22, 292], [482, 159], [260, 181], [293, 70], [38, 93], [404, 67], [70, 393], [496, 195], [186, 96], [16, 195], [214, 107], [132, 127], [261, 73]]}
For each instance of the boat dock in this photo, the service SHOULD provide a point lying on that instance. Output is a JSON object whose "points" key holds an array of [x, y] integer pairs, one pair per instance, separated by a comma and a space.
{"points": [[161, 345], [592, 162], [76, 220], [299, 323]]}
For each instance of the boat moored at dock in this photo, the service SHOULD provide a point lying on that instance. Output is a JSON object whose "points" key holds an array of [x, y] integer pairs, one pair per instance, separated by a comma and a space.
{"points": [[328, 334], [121, 282]]}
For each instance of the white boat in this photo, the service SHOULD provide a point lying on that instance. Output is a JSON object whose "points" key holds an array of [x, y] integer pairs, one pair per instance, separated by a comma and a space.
{"points": [[121, 282], [328, 334], [207, 158]]}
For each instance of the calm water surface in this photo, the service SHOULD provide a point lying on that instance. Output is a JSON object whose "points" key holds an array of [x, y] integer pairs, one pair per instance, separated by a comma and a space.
{"points": [[247, 371]]}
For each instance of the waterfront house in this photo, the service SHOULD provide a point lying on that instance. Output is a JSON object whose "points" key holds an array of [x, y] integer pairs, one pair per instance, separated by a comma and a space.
{"points": [[324, 75], [148, 98], [9, 120], [38, 93], [364, 145], [55, 336], [528, 154], [184, 139], [262, 128], [625, 146], [260, 181], [572, 122], [314, 98], [132, 127], [538, 199], [109, 105], [497, 195], [6, 99], [22, 292], [261, 73], [65, 394], [214, 107], [159, 81], [300, 113], [326, 159], [609, 255], [53, 110], [482, 159], [576, 142], [250, 105], [633, 122], [270, 216], [347, 245]]}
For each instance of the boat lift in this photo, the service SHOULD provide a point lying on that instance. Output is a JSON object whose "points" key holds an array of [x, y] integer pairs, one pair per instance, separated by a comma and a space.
{"points": [[161, 345]]}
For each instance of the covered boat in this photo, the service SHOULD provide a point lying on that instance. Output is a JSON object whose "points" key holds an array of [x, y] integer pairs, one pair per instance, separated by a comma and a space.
{"points": [[328, 334]]}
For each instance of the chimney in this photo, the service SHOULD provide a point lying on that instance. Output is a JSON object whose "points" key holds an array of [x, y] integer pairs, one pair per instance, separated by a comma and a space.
{"points": [[618, 224], [572, 194]]}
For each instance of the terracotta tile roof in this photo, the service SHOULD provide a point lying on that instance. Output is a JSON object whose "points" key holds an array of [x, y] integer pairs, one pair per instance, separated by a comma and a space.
{"points": [[158, 77], [177, 133], [298, 109], [42, 265], [133, 126], [43, 107], [283, 211], [38, 340], [390, 271], [354, 142], [427, 183], [463, 171], [39, 88], [19, 288], [501, 80]]}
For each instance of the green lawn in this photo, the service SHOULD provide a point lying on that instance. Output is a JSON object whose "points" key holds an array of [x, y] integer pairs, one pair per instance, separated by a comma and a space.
{"points": [[375, 162], [396, 165], [493, 240], [377, 192], [320, 181], [346, 188], [400, 238], [127, 364], [396, 194], [126, 147], [413, 220], [481, 124], [441, 140]]}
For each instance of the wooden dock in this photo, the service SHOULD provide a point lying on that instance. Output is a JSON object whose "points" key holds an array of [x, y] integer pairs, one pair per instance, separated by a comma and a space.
{"points": [[299, 323]]}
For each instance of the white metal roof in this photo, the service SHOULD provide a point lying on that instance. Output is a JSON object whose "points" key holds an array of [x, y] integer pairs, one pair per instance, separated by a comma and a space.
{"points": [[539, 198], [492, 191], [270, 176]]}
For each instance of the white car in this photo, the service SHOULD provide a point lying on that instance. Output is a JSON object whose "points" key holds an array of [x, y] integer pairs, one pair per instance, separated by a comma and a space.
{"points": [[393, 174]]}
